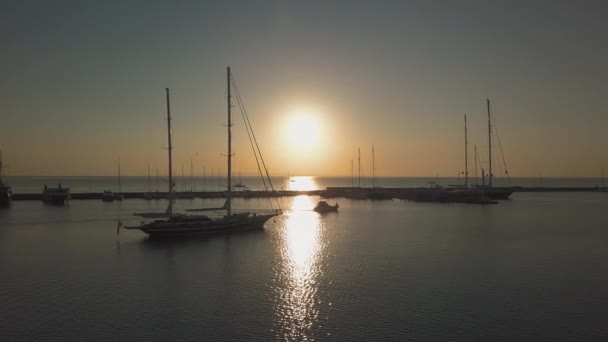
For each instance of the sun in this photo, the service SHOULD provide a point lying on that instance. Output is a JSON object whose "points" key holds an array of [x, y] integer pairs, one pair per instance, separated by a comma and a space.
{"points": [[302, 130]]}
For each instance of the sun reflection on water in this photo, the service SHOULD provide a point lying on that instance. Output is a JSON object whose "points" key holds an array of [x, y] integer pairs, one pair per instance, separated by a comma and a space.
{"points": [[301, 247]]}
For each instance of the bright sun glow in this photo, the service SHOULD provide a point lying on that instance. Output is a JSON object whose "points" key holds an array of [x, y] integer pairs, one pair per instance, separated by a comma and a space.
{"points": [[302, 131]]}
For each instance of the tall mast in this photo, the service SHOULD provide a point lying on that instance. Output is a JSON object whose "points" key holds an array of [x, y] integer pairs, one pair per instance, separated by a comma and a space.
{"points": [[466, 154], [119, 183], [170, 148], [475, 164], [373, 168], [489, 145], [0, 167], [149, 182], [183, 178], [352, 174], [193, 185], [157, 180], [229, 192], [359, 158]]}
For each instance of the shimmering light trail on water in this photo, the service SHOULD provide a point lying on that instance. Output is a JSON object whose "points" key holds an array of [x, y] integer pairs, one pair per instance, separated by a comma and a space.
{"points": [[300, 267]]}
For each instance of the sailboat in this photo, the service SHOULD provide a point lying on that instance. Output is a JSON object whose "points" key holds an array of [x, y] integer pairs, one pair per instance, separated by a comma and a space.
{"points": [[119, 196], [377, 193], [108, 195], [185, 225], [489, 190], [6, 194]]}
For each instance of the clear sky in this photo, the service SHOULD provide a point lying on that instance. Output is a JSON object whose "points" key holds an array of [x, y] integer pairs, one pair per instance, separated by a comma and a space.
{"points": [[83, 84]]}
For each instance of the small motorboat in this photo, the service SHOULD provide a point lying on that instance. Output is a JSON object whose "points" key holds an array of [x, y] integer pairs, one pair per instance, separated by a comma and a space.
{"points": [[323, 207]]}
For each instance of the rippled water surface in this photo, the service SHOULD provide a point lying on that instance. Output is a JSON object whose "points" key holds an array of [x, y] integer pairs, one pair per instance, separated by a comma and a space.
{"points": [[531, 268]]}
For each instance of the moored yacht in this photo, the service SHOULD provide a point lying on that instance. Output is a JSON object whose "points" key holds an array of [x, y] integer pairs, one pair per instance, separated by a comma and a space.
{"points": [[57, 196], [186, 225]]}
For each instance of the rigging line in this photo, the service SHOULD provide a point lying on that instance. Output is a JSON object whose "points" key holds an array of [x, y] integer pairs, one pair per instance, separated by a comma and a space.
{"points": [[478, 159], [250, 140], [500, 146], [250, 127], [248, 130], [253, 134], [254, 138]]}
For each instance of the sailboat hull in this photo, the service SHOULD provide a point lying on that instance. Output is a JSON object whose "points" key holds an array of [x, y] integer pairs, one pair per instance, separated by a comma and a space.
{"points": [[497, 194], [173, 229]]}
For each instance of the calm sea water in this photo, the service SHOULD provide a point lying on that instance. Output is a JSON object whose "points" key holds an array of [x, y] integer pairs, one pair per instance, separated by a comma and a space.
{"points": [[528, 269]]}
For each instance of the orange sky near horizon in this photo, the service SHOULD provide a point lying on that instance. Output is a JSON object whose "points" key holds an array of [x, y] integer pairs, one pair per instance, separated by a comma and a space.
{"points": [[84, 86]]}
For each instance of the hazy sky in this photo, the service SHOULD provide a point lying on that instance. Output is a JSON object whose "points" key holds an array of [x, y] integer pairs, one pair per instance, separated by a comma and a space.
{"points": [[83, 84]]}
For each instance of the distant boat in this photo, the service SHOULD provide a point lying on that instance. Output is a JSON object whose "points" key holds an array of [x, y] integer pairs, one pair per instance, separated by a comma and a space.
{"points": [[148, 195], [119, 196], [6, 194], [184, 225], [488, 189], [57, 196], [107, 196], [377, 193], [323, 207]]}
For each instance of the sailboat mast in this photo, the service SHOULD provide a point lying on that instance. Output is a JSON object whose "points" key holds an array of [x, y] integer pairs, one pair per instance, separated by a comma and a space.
{"points": [[170, 148], [373, 168], [475, 164], [352, 174], [466, 154], [149, 182], [119, 183], [229, 183], [193, 185], [490, 175], [359, 158]]}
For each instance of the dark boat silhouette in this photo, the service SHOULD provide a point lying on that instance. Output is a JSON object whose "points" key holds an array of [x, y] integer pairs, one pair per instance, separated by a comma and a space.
{"points": [[56, 196], [324, 207], [186, 225]]}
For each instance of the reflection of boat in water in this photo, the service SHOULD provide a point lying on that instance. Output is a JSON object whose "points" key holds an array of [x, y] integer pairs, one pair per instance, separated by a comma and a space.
{"points": [[58, 195], [323, 207], [6, 194], [176, 225]]}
